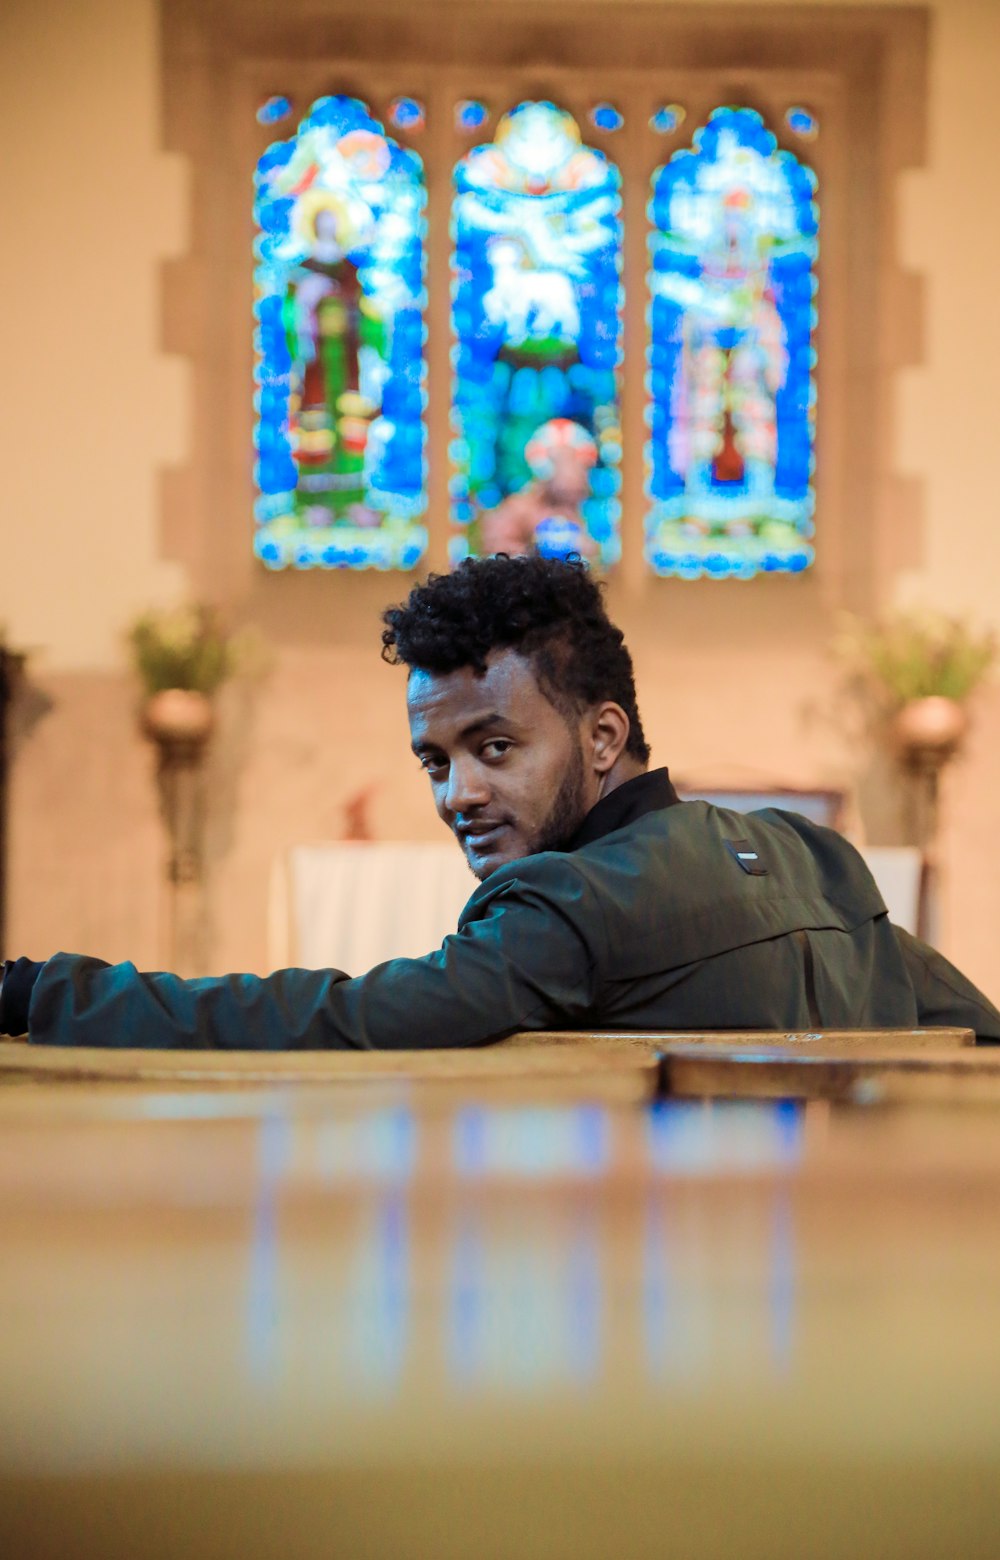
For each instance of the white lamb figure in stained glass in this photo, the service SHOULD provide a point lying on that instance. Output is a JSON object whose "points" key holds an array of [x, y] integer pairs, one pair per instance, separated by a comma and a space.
{"points": [[527, 302]]}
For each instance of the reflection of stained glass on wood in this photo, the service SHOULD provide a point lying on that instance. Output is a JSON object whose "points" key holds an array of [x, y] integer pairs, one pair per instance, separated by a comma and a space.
{"points": [[340, 369], [732, 414], [537, 259]]}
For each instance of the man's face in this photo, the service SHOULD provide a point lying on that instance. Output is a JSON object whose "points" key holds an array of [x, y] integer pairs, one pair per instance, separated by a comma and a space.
{"points": [[569, 482], [506, 769]]}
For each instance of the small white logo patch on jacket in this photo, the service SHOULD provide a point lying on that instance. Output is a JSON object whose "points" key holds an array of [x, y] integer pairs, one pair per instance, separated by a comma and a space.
{"points": [[746, 857]]}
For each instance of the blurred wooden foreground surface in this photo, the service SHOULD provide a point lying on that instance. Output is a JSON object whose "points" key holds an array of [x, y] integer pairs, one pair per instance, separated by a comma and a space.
{"points": [[501, 1303]]}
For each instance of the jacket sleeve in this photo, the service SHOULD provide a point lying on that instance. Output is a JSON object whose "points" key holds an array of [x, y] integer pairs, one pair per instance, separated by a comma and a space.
{"points": [[523, 958], [944, 995]]}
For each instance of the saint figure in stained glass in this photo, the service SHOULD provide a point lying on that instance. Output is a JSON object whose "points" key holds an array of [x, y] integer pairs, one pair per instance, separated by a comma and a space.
{"points": [[731, 381], [546, 515], [536, 299], [340, 400]]}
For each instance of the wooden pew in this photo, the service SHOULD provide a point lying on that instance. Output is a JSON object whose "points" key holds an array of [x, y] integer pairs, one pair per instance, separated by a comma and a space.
{"points": [[357, 1352], [531, 1054], [838, 1041], [614, 1067], [626, 1075], [871, 1075]]}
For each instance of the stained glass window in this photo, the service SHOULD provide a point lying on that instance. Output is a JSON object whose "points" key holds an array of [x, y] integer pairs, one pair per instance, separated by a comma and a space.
{"points": [[536, 445], [470, 114], [407, 113], [668, 119], [605, 116], [273, 110], [731, 360], [339, 345], [802, 122]]}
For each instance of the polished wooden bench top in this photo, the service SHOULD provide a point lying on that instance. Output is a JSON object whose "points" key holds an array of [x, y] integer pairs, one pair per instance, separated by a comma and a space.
{"points": [[625, 1076], [869, 1075], [555, 1054], [846, 1040]]}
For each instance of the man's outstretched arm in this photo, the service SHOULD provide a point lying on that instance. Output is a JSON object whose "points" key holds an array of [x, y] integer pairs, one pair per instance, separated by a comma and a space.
{"points": [[518, 962]]}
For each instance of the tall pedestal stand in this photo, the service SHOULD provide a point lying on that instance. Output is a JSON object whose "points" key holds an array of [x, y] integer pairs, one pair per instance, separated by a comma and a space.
{"points": [[928, 733], [180, 723]]}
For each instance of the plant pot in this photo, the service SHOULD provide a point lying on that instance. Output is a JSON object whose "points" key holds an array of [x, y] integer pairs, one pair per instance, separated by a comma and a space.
{"points": [[930, 730], [178, 716]]}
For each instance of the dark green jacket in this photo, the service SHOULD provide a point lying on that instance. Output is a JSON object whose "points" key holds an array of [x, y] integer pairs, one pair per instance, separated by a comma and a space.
{"points": [[661, 915]]}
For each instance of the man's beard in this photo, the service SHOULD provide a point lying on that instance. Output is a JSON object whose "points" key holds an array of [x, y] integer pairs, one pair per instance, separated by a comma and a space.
{"points": [[568, 810], [564, 817]]}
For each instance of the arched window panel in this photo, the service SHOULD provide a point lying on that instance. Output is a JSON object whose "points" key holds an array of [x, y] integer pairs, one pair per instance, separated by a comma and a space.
{"points": [[731, 380], [340, 373], [536, 318]]}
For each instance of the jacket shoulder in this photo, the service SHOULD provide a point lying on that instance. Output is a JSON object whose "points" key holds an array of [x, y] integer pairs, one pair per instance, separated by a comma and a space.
{"points": [[695, 880]]}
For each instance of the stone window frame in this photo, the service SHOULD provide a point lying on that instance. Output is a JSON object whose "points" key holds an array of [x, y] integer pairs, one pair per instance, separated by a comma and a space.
{"points": [[862, 70]]}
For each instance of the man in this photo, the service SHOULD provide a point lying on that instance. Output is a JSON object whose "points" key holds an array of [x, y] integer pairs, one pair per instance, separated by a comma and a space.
{"points": [[603, 901]]}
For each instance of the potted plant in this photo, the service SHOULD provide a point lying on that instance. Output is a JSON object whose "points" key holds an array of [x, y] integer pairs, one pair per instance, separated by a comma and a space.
{"points": [[918, 669], [182, 658]]}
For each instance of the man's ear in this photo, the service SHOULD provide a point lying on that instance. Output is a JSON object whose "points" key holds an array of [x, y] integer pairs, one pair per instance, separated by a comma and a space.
{"points": [[609, 730]]}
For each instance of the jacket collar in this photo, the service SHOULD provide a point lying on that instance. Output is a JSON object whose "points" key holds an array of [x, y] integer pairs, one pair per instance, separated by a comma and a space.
{"points": [[650, 792]]}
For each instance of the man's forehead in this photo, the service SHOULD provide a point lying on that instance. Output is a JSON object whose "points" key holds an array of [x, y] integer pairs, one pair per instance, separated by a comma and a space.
{"points": [[464, 694]]}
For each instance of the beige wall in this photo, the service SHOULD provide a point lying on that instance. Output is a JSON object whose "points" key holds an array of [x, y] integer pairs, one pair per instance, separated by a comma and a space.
{"points": [[97, 412]]}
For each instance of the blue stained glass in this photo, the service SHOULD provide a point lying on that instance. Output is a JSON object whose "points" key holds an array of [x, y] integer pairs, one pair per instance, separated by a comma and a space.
{"points": [[406, 113], [604, 116], [536, 299], [339, 294], [471, 114], [274, 110], [667, 119], [731, 360], [802, 122]]}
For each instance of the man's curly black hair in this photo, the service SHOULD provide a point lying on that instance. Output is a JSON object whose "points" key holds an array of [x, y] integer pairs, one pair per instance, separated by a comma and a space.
{"points": [[549, 610]]}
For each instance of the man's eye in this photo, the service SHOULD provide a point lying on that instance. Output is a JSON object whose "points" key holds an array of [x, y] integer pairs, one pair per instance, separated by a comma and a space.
{"points": [[497, 747], [432, 763]]}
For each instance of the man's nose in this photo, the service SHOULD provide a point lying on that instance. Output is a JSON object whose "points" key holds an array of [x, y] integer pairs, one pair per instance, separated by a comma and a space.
{"points": [[467, 787]]}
